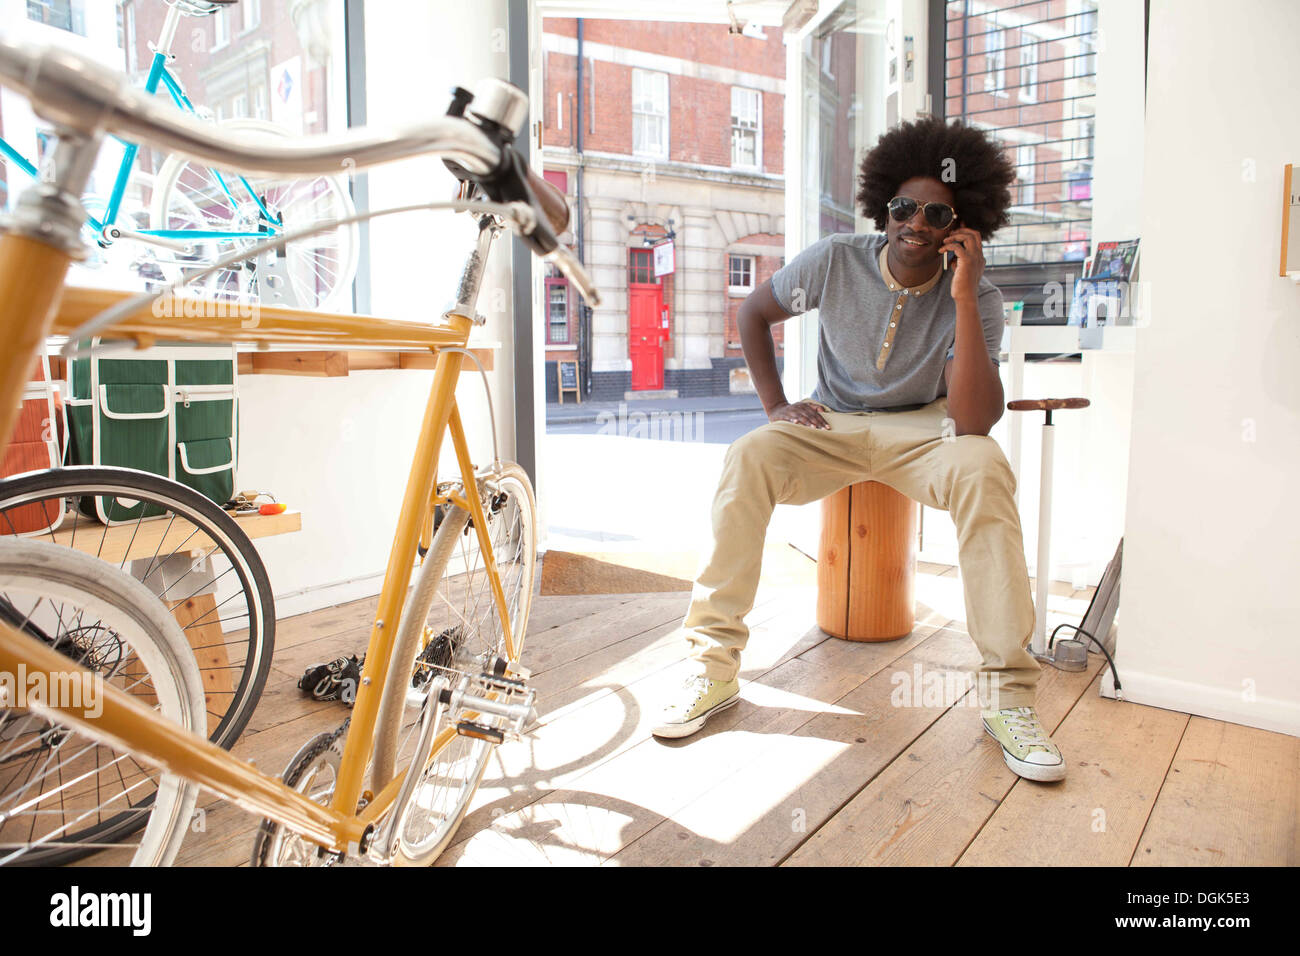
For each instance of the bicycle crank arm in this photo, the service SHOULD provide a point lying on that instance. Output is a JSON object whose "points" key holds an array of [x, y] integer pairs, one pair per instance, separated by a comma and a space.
{"points": [[383, 849]]}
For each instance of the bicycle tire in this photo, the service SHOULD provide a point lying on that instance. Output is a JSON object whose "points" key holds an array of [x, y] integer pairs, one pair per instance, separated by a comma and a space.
{"points": [[512, 483], [203, 513], [125, 608]]}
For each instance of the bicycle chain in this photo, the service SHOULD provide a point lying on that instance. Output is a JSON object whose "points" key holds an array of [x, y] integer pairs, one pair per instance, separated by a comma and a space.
{"points": [[291, 776]]}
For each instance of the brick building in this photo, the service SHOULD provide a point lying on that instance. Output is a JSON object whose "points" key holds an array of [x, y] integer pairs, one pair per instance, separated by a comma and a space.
{"points": [[671, 151]]}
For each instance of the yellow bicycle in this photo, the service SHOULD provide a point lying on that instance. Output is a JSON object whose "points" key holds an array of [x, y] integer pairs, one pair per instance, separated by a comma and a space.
{"points": [[88, 665]]}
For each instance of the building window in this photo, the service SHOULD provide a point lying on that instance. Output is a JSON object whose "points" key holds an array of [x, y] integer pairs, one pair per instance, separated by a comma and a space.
{"points": [[259, 103], [1029, 69], [557, 312], [239, 107], [641, 266], [1026, 172], [129, 37], [995, 62], [252, 13], [740, 274], [650, 113], [221, 29], [67, 15], [746, 127], [826, 154]]}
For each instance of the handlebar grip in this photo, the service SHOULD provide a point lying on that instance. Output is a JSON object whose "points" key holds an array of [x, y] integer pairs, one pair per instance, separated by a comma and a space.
{"points": [[551, 200]]}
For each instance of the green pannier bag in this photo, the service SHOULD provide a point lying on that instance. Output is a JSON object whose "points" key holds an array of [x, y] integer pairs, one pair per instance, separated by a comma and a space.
{"points": [[172, 410]]}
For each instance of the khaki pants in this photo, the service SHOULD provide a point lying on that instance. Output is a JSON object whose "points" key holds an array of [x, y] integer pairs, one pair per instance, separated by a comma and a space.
{"points": [[967, 475]]}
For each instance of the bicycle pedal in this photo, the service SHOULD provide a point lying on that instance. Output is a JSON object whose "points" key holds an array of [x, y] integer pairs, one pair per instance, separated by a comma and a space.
{"points": [[504, 669], [467, 728]]}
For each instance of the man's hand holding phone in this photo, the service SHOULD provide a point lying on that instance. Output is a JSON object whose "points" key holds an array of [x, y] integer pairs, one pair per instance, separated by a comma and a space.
{"points": [[967, 246]]}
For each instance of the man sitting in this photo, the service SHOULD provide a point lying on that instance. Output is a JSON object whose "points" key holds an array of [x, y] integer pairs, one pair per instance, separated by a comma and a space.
{"points": [[908, 388]]}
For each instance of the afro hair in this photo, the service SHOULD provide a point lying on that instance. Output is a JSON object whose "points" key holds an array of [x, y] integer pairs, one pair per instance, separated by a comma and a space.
{"points": [[962, 157]]}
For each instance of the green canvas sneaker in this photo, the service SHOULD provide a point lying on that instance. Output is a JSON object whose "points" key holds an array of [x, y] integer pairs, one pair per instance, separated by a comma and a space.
{"points": [[1026, 747], [698, 699]]}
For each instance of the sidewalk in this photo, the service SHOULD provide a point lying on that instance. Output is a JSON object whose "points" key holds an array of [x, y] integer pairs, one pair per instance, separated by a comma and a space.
{"points": [[573, 413]]}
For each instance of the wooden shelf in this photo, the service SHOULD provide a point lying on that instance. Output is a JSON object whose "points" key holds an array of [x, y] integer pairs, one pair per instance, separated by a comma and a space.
{"points": [[125, 542], [320, 363]]}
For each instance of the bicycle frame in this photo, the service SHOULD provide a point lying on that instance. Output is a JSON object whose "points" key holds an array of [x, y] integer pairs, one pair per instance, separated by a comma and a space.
{"points": [[159, 75], [31, 279]]}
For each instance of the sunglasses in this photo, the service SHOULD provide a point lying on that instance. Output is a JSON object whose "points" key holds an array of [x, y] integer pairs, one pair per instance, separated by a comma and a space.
{"points": [[937, 214]]}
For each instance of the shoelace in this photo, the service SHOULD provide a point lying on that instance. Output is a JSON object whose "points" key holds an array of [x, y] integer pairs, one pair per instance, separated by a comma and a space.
{"points": [[1026, 722], [697, 683]]}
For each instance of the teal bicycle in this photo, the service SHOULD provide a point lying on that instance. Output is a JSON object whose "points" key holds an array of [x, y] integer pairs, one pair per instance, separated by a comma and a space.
{"points": [[196, 214]]}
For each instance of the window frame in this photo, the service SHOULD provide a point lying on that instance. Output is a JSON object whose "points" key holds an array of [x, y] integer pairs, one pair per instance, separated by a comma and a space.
{"points": [[1029, 65], [995, 80], [636, 253], [559, 282], [128, 37], [732, 258], [1027, 193], [640, 78], [220, 29], [756, 100], [76, 15]]}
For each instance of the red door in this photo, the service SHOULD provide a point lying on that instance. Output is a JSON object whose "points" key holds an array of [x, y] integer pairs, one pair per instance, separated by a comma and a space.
{"points": [[646, 342]]}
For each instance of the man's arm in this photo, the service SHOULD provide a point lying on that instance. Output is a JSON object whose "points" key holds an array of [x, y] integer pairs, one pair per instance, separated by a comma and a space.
{"points": [[975, 397], [758, 313]]}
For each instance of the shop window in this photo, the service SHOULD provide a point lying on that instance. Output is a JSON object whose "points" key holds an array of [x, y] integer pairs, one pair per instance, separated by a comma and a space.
{"points": [[1051, 144]]}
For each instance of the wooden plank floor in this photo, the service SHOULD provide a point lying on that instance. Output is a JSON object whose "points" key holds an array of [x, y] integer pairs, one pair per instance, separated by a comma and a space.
{"points": [[818, 764]]}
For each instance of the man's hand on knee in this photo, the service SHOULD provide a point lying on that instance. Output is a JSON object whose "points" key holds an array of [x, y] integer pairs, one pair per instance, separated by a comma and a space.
{"points": [[800, 413]]}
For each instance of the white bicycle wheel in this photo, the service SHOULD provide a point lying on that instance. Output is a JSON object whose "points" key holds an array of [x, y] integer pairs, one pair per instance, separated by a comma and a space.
{"points": [[191, 196], [60, 788], [464, 635]]}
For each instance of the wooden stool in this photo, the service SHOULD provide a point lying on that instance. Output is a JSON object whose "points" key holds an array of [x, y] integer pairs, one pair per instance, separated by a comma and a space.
{"points": [[866, 564]]}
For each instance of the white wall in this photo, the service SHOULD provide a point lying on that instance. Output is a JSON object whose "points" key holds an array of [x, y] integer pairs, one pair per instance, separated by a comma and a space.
{"points": [[339, 449], [1210, 610]]}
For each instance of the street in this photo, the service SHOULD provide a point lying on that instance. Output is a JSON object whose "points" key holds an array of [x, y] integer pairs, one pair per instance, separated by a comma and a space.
{"points": [[714, 421]]}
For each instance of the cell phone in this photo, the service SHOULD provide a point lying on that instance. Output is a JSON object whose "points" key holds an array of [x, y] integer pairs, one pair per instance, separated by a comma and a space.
{"points": [[947, 255]]}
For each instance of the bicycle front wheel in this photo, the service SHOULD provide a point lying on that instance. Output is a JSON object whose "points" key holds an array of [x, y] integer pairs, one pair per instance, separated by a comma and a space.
{"points": [[60, 789], [463, 634], [192, 197]]}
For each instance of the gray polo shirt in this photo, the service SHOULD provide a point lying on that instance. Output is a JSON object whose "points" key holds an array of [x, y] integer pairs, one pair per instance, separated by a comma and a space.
{"points": [[880, 345]]}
